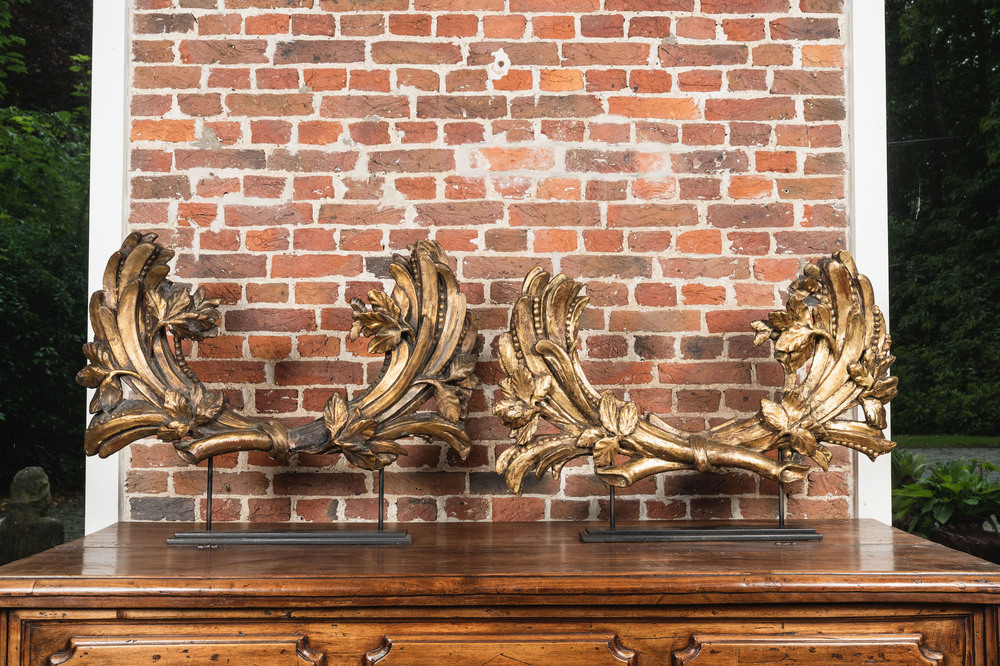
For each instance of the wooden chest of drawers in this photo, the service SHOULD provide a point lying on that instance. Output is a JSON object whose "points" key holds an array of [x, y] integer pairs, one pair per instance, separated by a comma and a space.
{"points": [[503, 593]]}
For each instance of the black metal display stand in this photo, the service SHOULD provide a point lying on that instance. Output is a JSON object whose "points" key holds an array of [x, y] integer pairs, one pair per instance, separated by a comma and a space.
{"points": [[779, 533], [292, 536]]}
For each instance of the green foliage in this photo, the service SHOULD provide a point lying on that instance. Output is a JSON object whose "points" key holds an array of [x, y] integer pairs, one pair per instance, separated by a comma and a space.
{"points": [[944, 164], [11, 59], [956, 492], [44, 165], [907, 467]]}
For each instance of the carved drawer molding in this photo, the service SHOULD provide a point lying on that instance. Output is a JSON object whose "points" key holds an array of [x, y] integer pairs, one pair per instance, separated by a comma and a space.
{"points": [[540, 649], [277, 650], [711, 649]]}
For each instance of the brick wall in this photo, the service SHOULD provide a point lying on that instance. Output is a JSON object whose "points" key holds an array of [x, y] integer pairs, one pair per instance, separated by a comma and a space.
{"points": [[681, 157]]}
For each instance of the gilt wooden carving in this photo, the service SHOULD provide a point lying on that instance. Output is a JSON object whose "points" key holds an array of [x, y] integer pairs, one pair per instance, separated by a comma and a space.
{"points": [[145, 387], [831, 331]]}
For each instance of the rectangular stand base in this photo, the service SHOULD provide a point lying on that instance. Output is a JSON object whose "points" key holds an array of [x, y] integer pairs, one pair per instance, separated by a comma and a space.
{"points": [[292, 538], [681, 534]]}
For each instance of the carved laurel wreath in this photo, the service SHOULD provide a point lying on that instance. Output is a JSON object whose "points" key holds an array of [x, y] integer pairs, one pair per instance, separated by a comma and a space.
{"points": [[145, 388], [830, 319]]}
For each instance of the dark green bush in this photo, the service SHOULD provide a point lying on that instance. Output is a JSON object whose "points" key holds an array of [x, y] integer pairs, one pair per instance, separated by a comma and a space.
{"points": [[44, 175]]}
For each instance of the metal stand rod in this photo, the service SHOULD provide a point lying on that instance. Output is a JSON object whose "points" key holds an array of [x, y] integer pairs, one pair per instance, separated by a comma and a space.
{"points": [[611, 507], [781, 494], [381, 498], [208, 496]]}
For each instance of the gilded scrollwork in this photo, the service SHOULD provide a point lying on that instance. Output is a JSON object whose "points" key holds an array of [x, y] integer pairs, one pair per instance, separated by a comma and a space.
{"points": [[830, 331], [144, 386]]}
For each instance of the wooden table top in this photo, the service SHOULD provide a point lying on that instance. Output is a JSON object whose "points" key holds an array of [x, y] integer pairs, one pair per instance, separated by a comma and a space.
{"points": [[506, 563]]}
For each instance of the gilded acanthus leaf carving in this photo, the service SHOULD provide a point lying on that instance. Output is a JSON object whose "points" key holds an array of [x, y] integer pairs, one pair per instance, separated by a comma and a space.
{"points": [[145, 388], [830, 329]]}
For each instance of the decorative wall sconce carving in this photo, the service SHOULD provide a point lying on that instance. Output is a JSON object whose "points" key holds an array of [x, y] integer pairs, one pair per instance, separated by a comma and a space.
{"points": [[145, 388], [830, 326]]}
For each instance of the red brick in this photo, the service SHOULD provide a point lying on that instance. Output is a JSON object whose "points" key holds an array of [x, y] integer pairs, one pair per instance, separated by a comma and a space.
{"points": [[319, 51], [266, 24], [159, 50], [264, 187], [797, 82], [358, 214], [412, 161], [600, 80], [701, 241], [699, 80], [649, 5], [223, 51], [166, 76], [602, 26], [504, 27], [325, 78], [266, 240], [700, 294], [775, 270], [696, 27], [313, 373], [805, 29], [415, 53], [734, 268], [217, 187], [779, 161], [163, 23], [745, 6], [650, 241], [703, 55], [316, 25], [160, 187], [554, 215], [269, 104], [314, 240], [234, 78], [596, 54], [151, 160], [740, 80], [276, 79], [654, 321], [559, 188], [270, 319], [418, 25], [744, 30], [649, 26], [196, 214], [655, 294], [459, 213], [778, 108], [649, 81], [416, 188], [811, 188], [150, 105], [460, 187], [667, 108], [462, 25], [703, 134], [322, 293], [651, 215], [719, 372], [751, 187], [506, 240], [361, 25], [245, 215], [270, 131]]}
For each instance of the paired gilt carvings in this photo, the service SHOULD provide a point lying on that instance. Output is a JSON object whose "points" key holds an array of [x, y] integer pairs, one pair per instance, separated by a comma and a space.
{"points": [[830, 339]]}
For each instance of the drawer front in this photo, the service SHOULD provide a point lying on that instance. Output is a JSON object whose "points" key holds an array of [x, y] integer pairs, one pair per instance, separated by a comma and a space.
{"points": [[544, 636], [722, 650], [132, 650]]}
